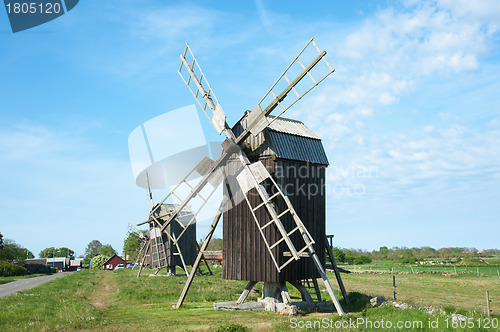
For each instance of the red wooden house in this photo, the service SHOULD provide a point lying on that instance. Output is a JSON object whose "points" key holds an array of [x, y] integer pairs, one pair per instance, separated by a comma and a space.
{"points": [[113, 261]]}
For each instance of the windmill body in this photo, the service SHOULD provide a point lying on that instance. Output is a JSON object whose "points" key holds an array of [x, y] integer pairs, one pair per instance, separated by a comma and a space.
{"points": [[295, 158], [160, 250], [187, 243]]}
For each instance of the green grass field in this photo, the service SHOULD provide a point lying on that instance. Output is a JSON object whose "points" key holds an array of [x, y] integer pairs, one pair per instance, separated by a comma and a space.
{"points": [[106, 300]]}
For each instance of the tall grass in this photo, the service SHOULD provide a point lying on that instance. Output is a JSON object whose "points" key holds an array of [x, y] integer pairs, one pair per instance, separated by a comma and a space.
{"points": [[60, 304], [145, 303], [386, 318]]}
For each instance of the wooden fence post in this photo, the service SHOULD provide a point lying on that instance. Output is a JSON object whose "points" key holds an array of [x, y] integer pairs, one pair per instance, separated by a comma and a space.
{"points": [[394, 286], [488, 303]]}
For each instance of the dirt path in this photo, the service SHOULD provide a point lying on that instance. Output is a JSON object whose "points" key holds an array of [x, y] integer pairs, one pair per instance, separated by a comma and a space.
{"points": [[102, 295]]}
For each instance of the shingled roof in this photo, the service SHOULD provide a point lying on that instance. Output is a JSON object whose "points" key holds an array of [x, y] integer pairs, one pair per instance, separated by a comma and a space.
{"points": [[285, 139]]}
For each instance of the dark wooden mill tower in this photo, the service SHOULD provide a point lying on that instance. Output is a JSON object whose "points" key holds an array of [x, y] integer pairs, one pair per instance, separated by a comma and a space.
{"points": [[167, 249], [295, 158]]}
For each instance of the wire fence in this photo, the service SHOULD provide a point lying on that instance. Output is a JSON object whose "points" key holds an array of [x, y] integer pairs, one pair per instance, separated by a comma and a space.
{"points": [[479, 271]]}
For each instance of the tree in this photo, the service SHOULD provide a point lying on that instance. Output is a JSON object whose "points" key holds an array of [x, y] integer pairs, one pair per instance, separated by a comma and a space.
{"points": [[48, 252], [215, 244], [107, 250], [91, 251], [57, 252], [66, 252], [407, 254], [86, 260], [338, 255], [384, 251], [131, 246], [93, 248], [12, 251]]}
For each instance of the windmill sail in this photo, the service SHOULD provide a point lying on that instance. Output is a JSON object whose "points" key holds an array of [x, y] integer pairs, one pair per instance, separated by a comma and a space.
{"points": [[284, 99], [201, 90]]}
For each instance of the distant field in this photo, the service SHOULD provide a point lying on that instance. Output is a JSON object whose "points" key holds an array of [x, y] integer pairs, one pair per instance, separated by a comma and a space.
{"points": [[389, 266], [117, 300], [495, 261], [467, 292]]}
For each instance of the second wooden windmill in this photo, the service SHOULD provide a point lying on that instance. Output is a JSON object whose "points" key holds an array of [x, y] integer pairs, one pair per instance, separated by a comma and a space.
{"points": [[161, 248], [248, 183]]}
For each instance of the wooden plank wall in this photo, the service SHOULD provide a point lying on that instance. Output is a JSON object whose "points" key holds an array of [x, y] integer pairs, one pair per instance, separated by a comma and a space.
{"points": [[187, 243], [245, 256]]}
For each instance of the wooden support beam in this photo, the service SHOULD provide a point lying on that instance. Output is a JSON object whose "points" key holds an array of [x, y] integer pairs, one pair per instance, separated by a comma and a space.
{"points": [[245, 293], [327, 284], [337, 272], [200, 254], [316, 288], [285, 295], [304, 294], [143, 259], [203, 257]]}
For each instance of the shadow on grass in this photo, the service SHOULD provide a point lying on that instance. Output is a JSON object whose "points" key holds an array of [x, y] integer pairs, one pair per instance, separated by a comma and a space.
{"points": [[357, 302]]}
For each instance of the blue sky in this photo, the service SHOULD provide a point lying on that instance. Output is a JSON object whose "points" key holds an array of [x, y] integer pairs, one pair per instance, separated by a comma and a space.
{"points": [[410, 119]]}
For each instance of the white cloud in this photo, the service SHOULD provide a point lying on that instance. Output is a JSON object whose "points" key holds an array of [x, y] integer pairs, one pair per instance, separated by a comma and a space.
{"points": [[263, 15], [386, 58], [417, 40], [432, 156], [31, 143], [486, 11]]}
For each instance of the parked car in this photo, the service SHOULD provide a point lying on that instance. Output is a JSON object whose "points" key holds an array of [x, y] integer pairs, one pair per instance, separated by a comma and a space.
{"points": [[120, 266]]}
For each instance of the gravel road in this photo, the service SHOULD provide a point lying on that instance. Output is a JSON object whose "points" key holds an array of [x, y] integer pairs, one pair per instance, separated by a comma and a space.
{"points": [[22, 284]]}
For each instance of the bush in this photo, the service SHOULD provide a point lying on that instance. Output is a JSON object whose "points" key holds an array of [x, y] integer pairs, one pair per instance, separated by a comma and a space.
{"points": [[338, 255], [38, 268], [9, 269], [471, 261], [232, 328], [411, 260], [358, 260], [98, 262]]}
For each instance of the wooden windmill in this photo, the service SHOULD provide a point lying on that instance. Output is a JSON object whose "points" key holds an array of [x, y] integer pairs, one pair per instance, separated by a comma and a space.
{"points": [[296, 160], [164, 248], [283, 234]]}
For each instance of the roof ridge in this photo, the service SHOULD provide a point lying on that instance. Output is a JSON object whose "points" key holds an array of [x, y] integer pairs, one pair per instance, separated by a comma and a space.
{"points": [[285, 119]]}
